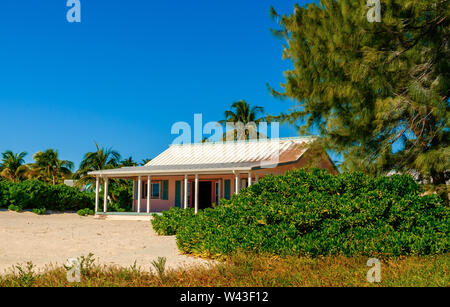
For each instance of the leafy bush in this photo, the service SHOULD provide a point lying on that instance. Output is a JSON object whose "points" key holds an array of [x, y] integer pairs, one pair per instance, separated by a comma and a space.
{"points": [[85, 212], [316, 213], [39, 211], [32, 194], [4, 193], [15, 208], [121, 196], [167, 223]]}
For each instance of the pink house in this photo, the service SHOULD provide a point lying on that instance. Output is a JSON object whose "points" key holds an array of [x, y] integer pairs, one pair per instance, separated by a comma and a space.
{"points": [[199, 175]]}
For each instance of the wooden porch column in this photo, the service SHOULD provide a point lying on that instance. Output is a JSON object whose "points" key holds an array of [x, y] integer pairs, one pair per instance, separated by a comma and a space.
{"points": [[249, 179], [139, 194], [236, 183], [185, 191], [105, 197], [196, 193], [149, 190], [97, 182]]}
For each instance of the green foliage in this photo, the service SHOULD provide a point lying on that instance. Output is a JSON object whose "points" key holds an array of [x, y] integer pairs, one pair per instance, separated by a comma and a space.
{"points": [[316, 213], [378, 92], [160, 266], [121, 193], [85, 212], [25, 275], [87, 265], [167, 223], [32, 194], [4, 193], [15, 208], [39, 211]]}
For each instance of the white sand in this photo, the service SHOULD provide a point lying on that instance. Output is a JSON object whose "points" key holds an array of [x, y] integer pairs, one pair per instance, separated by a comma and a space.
{"points": [[52, 239]]}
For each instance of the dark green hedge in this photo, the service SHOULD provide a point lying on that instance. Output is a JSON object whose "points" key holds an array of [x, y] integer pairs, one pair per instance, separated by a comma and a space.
{"points": [[33, 194], [316, 213], [167, 223]]}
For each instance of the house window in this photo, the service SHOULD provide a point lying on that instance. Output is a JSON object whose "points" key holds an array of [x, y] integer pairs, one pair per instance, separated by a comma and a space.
{"points": [[244, 184], [189, 194], [156, 190]]}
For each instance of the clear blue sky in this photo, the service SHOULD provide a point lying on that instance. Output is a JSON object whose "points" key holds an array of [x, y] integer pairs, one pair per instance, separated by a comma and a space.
{"points": [[130, 70]]}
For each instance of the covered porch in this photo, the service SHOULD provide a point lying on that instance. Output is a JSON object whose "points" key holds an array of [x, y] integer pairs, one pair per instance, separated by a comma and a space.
{"points": [[156, 192]]}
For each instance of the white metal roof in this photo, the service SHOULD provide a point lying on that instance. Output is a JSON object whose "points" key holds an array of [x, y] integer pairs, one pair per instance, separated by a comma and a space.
{"points": [[219, 157]]}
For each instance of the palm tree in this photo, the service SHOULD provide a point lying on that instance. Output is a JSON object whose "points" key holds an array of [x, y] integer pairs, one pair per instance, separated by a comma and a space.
{"points": [[241, 113], [12, 166], [50, 167], [145, 161], [102, 158], [128, 162]]}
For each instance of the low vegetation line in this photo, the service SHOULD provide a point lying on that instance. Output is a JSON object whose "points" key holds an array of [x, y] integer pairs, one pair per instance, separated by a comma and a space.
{"points": [[248, 270]]}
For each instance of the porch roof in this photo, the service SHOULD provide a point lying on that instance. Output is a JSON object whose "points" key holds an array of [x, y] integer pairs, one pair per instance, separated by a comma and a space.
{"points": [[174, 169], [215, 158]]}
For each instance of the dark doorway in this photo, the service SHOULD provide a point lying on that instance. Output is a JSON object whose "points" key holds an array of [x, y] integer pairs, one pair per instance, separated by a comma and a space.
{"points": [[204, 194]]}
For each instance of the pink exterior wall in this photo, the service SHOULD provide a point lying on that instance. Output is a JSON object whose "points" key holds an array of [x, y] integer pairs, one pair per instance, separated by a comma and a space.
{"points": [[158, 205]]}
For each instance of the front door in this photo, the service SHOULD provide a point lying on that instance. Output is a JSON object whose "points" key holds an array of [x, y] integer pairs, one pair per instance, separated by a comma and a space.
{"points": [[204, 194]]}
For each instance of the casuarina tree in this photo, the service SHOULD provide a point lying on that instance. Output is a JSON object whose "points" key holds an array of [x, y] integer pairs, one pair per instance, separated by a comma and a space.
{"points": [[378, 92]]}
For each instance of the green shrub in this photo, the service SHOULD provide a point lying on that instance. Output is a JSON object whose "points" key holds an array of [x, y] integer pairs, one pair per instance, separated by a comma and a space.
{"points": [[15, 208], [39, 211], [166, 223], [315, 213], [32, 194], [4, 193], [85, 211]]}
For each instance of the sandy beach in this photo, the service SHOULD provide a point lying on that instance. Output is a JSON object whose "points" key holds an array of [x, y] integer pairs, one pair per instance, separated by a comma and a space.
{"points": [[53, 238]]}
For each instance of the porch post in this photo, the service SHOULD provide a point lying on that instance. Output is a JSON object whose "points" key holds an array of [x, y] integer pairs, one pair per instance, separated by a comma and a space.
{"points": [[185, 191], [236, 183], [148, 193], [105, 197], [249, 179], [139, 194], [97, 181], [134, 195], [196, 193]]}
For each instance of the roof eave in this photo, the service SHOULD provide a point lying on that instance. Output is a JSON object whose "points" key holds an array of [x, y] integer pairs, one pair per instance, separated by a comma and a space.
{"points": [[110, 173]]}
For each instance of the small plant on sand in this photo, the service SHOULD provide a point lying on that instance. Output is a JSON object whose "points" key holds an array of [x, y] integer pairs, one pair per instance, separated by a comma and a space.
{"points": [[86, 264], [25, 276], [160, 267]]}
